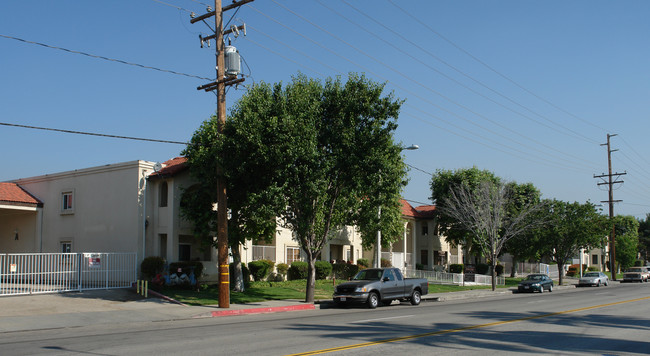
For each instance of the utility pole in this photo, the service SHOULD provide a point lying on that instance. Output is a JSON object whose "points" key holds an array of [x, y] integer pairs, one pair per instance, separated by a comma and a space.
{"points": [[610, 183], [220, 86]]}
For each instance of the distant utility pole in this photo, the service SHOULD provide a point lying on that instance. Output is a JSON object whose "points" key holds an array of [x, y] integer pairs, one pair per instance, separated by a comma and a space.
{"points": [[612, 178], [220, 86]]}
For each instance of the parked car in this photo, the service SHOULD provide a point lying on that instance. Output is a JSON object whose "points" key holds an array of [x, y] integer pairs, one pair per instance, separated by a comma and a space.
{"points": [[381, 285], [593, 279], [636, 274], [536, 282]]}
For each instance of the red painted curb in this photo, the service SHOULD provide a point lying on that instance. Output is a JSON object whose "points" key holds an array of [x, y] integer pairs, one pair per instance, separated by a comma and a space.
{"points": [[263, 310]]}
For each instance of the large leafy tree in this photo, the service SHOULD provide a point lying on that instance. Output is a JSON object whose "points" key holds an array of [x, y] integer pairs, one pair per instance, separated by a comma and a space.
{"points": [[442, 183], [627, 240], [570, 227], [318, 156], [526, 245], [644, 237], [491, 213]]}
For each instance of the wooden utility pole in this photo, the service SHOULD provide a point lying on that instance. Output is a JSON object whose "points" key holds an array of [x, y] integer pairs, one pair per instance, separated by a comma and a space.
{"points": [[220, 86], [610, 183]]}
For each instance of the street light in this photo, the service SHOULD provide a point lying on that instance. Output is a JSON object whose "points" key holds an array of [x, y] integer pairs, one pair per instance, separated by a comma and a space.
{"points": [[378, 244]]}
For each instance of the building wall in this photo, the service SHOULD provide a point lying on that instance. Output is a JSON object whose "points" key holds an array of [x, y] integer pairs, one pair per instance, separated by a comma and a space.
{"points": [[107, 208]]}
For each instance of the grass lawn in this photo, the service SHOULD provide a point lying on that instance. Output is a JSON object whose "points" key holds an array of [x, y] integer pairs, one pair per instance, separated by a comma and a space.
{"points": [[260, 291]]}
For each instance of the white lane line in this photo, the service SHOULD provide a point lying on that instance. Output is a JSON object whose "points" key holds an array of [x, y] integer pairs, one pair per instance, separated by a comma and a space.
{"points": [[370, 320]]}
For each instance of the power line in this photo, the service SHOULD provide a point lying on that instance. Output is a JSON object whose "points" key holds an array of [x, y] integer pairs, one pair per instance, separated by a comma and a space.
{"points": [[494, 70], [104, 58], [92, 134]]}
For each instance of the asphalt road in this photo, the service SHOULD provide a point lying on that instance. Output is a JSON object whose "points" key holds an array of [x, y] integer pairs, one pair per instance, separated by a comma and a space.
{"points": [[612, 320]]}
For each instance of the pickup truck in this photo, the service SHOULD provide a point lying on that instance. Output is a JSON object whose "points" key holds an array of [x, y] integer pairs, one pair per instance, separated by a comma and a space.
{"points": [[381, 285], [636, 274]]}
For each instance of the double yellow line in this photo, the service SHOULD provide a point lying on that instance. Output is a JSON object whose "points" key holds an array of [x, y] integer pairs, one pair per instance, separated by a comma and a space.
{"points": [[441, 332]]}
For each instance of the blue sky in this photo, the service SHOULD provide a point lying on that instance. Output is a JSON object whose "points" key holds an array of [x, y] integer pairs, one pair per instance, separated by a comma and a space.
{"points": [[526, 89]]}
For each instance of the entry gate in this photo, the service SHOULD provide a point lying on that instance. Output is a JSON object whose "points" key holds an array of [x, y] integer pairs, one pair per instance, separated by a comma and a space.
{"points": [[32, 273]]}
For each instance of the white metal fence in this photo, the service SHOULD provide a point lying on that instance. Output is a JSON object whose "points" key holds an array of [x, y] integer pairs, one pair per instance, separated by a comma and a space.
{"points": [[32, 273], [453, 278]]}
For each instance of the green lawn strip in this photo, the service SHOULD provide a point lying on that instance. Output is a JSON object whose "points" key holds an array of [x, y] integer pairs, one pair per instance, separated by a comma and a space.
{"points": [[261, 291]]}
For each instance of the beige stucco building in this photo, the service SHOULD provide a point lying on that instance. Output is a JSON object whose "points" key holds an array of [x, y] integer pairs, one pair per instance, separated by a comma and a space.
{"points": [[135, 207]]}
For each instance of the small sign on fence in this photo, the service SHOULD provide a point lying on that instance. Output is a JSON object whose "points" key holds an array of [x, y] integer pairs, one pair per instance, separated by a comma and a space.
{"points": [[13, 268], [94, 261]]}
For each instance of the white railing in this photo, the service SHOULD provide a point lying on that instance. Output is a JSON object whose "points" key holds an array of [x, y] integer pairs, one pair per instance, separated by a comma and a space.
{"points": [[263, 253], [453, 278], [33, 273]]}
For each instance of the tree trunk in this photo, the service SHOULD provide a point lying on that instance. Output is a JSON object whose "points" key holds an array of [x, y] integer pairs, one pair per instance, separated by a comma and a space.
{"points": [[311, 279], [560, 269], [494, 271], [513, 270], [238, 277]]}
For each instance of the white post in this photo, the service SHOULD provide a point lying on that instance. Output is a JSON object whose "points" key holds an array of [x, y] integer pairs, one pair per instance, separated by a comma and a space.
{"points": [[378, 245]]}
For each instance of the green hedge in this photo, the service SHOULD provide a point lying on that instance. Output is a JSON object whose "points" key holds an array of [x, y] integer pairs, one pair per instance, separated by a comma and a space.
{"points": [[297, 270], [260, 269], [499, 269], [151, 266], [363, 263], [482, 268], [323, 269], [345, 271], [282, 268], [456, 268]]}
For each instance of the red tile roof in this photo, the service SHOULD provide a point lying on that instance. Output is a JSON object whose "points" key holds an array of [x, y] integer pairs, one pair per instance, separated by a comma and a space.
{"points": [[12, 193], [171, 167], [422, 211]]}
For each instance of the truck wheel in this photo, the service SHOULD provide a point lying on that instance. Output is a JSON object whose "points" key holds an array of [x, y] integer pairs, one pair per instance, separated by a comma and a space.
{"points": [[416, 297], [373, 300]]}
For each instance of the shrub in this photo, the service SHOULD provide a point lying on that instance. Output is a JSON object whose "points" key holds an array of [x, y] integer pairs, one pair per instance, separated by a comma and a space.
{"points": [[456, 268], [363, 263], [386, 263], [499, 269], [592, 269], [344, 271], [282, 268], [419, 267], [151, 266], [482, 268], [638, 263], [298, 270], [323, 269], [260, 269]]}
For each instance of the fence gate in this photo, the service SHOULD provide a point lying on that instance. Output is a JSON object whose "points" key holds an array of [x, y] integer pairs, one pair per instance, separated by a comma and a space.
{"points": [[32, 273]]}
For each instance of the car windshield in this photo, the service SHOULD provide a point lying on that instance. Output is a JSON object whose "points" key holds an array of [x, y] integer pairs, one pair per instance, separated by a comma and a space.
{"points": [[535, 277], [591, 274], [368, 275], [635, 269]]}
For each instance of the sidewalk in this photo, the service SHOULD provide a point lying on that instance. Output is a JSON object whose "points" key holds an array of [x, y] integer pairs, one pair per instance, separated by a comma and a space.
{"points": [[78, 309]]}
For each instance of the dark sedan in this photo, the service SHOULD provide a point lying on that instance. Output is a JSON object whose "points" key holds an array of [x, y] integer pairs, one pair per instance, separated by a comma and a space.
{"points": [[536, 283]]}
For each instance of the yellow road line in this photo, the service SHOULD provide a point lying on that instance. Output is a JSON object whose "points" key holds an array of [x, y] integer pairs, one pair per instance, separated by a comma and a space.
{"points": [[441, 332]]}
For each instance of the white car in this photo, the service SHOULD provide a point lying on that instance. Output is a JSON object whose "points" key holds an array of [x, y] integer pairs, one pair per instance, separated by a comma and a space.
{"points": [[593, 279]]}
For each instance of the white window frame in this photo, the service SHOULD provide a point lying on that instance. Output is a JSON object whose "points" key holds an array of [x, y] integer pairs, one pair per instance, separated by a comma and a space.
{"points": [[65, 209], [64, 243], [286, 254]]}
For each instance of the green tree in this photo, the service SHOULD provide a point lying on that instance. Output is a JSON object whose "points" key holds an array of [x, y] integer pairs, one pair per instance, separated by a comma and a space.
{"points": [[627, 240], [570, 227], [644, 237], [442, 183], [318, 156], [525, 245], [490, 213]]}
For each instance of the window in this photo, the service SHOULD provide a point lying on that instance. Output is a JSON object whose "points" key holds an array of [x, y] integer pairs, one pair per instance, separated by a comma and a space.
{"points": [[293, 254], [67, 202], [66, 246], [425, 230], [163, 195], [424, 257], [184, 252], [594, 259], [389, 274]]}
